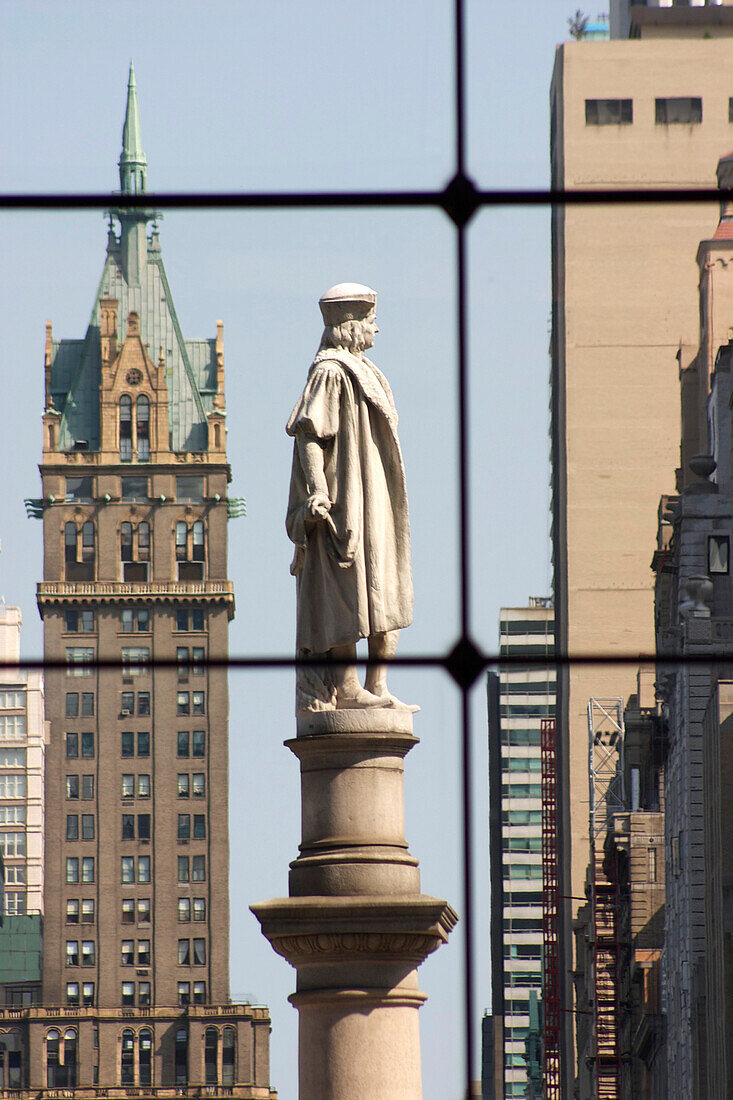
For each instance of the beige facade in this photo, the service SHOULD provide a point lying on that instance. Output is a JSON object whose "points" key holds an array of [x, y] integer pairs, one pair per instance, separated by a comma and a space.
{"points": [[624, 288]]}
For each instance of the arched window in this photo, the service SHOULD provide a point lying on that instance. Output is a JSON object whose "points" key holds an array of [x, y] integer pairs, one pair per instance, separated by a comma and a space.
{"points": [[127, 1057], [145, 1057], [181, 1057], [211, 1044], [11, 1061], [135, 551], [228, 1056], [125, 428], [79, 551], [143, 428], [190, 550], [61, 1059]]}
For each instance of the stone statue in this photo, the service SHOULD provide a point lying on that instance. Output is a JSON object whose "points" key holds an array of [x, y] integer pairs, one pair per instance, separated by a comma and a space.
{"points": [[347, 513]]}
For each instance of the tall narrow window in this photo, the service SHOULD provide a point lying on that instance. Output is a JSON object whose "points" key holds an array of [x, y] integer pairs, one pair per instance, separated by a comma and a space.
{"points": [[143, 428], [211, 1043], [145, 1056], [228, 1054], [127, 1057], [125, 429], [181, 1048]]}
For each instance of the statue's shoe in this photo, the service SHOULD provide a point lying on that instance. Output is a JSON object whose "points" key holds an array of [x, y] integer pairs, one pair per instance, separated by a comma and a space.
{"points": [[389, 700], [358, 700]]}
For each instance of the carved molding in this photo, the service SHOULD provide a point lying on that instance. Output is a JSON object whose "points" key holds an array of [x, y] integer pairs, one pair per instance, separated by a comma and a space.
{"points": [[337, 946]]}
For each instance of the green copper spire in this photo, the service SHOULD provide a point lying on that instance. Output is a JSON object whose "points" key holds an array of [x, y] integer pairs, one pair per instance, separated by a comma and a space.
{"points": [[133, 165]]}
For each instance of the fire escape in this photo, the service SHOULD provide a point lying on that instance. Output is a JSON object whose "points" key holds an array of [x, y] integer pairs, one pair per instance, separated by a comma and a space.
{"points": [[605, 746], [550, 914]]}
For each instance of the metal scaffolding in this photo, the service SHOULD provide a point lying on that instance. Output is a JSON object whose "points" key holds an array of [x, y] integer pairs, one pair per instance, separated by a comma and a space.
{"points": [[605, 775], [550, 914]]}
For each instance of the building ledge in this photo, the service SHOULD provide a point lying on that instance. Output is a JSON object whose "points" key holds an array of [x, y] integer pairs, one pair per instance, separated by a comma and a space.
{"points": [[159, 1092], [52, 592], [159, 1012]]}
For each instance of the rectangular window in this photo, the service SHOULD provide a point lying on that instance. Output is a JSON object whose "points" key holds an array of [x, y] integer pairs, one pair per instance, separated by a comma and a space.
{"points": [[183, 871], [87, 787], [183, 743], [12, 727], [199, 909], [12, 758], [143, 826], [135, 660], [143, 952], [184, 993], [197, 619], [127, 704], [190, 490], [143, 868], [198, 869], [11, 699], [79, 659], [71, 621], [199, 743], [608, 112], [72, 704], [127, 743], [15, 903], [183, 786], [199, 993], [143, 997], [72, 952], [198, 785], [128, 993], [72, 746], [87, 911], [143, 910], [134, 489], [72, 786], [72, 994], [199, 702], [87, 869], [127, 865], [128, 826], [143, 786], [128, 910], [198, 655], [128, 786], [12, 786], [126, 620], [181, 619], [184, 910], [678, 110], [72, 827], [718, 554], [143, 703], [87, 704], [183, 703], [87, 827], [143, 744], [182, 659], [12, 844], [72, 911], [72, 869], [87, 745], [88, 953], [87, 991], [184, 826], [12, 815], [15, 875], [184, 952], [199, 826], [199, 952], [79, 490]]}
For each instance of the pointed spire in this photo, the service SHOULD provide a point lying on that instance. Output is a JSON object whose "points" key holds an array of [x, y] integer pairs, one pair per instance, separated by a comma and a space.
{"points": [[132, 163]]}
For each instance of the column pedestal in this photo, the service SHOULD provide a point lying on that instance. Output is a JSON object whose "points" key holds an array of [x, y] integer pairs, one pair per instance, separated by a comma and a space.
{"points": [[355, 926]]}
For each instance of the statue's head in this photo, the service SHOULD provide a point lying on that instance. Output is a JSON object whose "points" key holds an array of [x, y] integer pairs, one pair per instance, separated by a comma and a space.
{"points": [[349, 312]]}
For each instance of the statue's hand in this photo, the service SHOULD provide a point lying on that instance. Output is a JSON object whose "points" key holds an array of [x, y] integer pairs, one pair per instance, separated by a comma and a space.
{"points": [[318, 506]]}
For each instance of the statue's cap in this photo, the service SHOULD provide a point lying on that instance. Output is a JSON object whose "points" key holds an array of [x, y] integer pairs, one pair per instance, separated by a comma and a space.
{"points": [[347, 302]]}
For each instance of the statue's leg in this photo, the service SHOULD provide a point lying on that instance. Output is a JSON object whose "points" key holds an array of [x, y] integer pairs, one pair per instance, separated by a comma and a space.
{"points": [[381, 647], [349, 692]]}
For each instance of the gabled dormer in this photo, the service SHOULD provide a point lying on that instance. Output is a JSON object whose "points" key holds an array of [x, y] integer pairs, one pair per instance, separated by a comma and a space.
{"points": [[133, 393]]}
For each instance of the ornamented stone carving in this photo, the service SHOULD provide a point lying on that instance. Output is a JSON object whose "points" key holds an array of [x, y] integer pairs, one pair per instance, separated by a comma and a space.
{"points": [[134, 376]]}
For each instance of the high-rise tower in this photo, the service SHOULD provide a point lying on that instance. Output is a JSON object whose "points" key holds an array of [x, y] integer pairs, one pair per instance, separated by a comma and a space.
{"points": [[134, 473]]}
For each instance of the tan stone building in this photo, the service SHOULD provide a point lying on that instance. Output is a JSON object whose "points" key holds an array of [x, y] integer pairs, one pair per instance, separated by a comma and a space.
{"points": [[649, 110], [134, 475]]}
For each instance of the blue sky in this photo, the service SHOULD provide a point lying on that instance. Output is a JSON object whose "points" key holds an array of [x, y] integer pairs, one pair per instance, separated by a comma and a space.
{"points": [[330, 94]]}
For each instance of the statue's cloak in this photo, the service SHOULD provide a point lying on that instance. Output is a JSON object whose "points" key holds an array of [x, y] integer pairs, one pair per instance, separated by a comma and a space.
{"points": [[353, 570]]}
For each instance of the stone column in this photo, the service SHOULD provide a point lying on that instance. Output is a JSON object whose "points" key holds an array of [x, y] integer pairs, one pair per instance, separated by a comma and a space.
{"points": [[355, 925]]}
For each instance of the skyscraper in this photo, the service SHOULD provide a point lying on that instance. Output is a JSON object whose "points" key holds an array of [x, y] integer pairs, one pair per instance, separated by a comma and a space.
{"points": [[134, 474], [520, 696], [647, 110]]}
